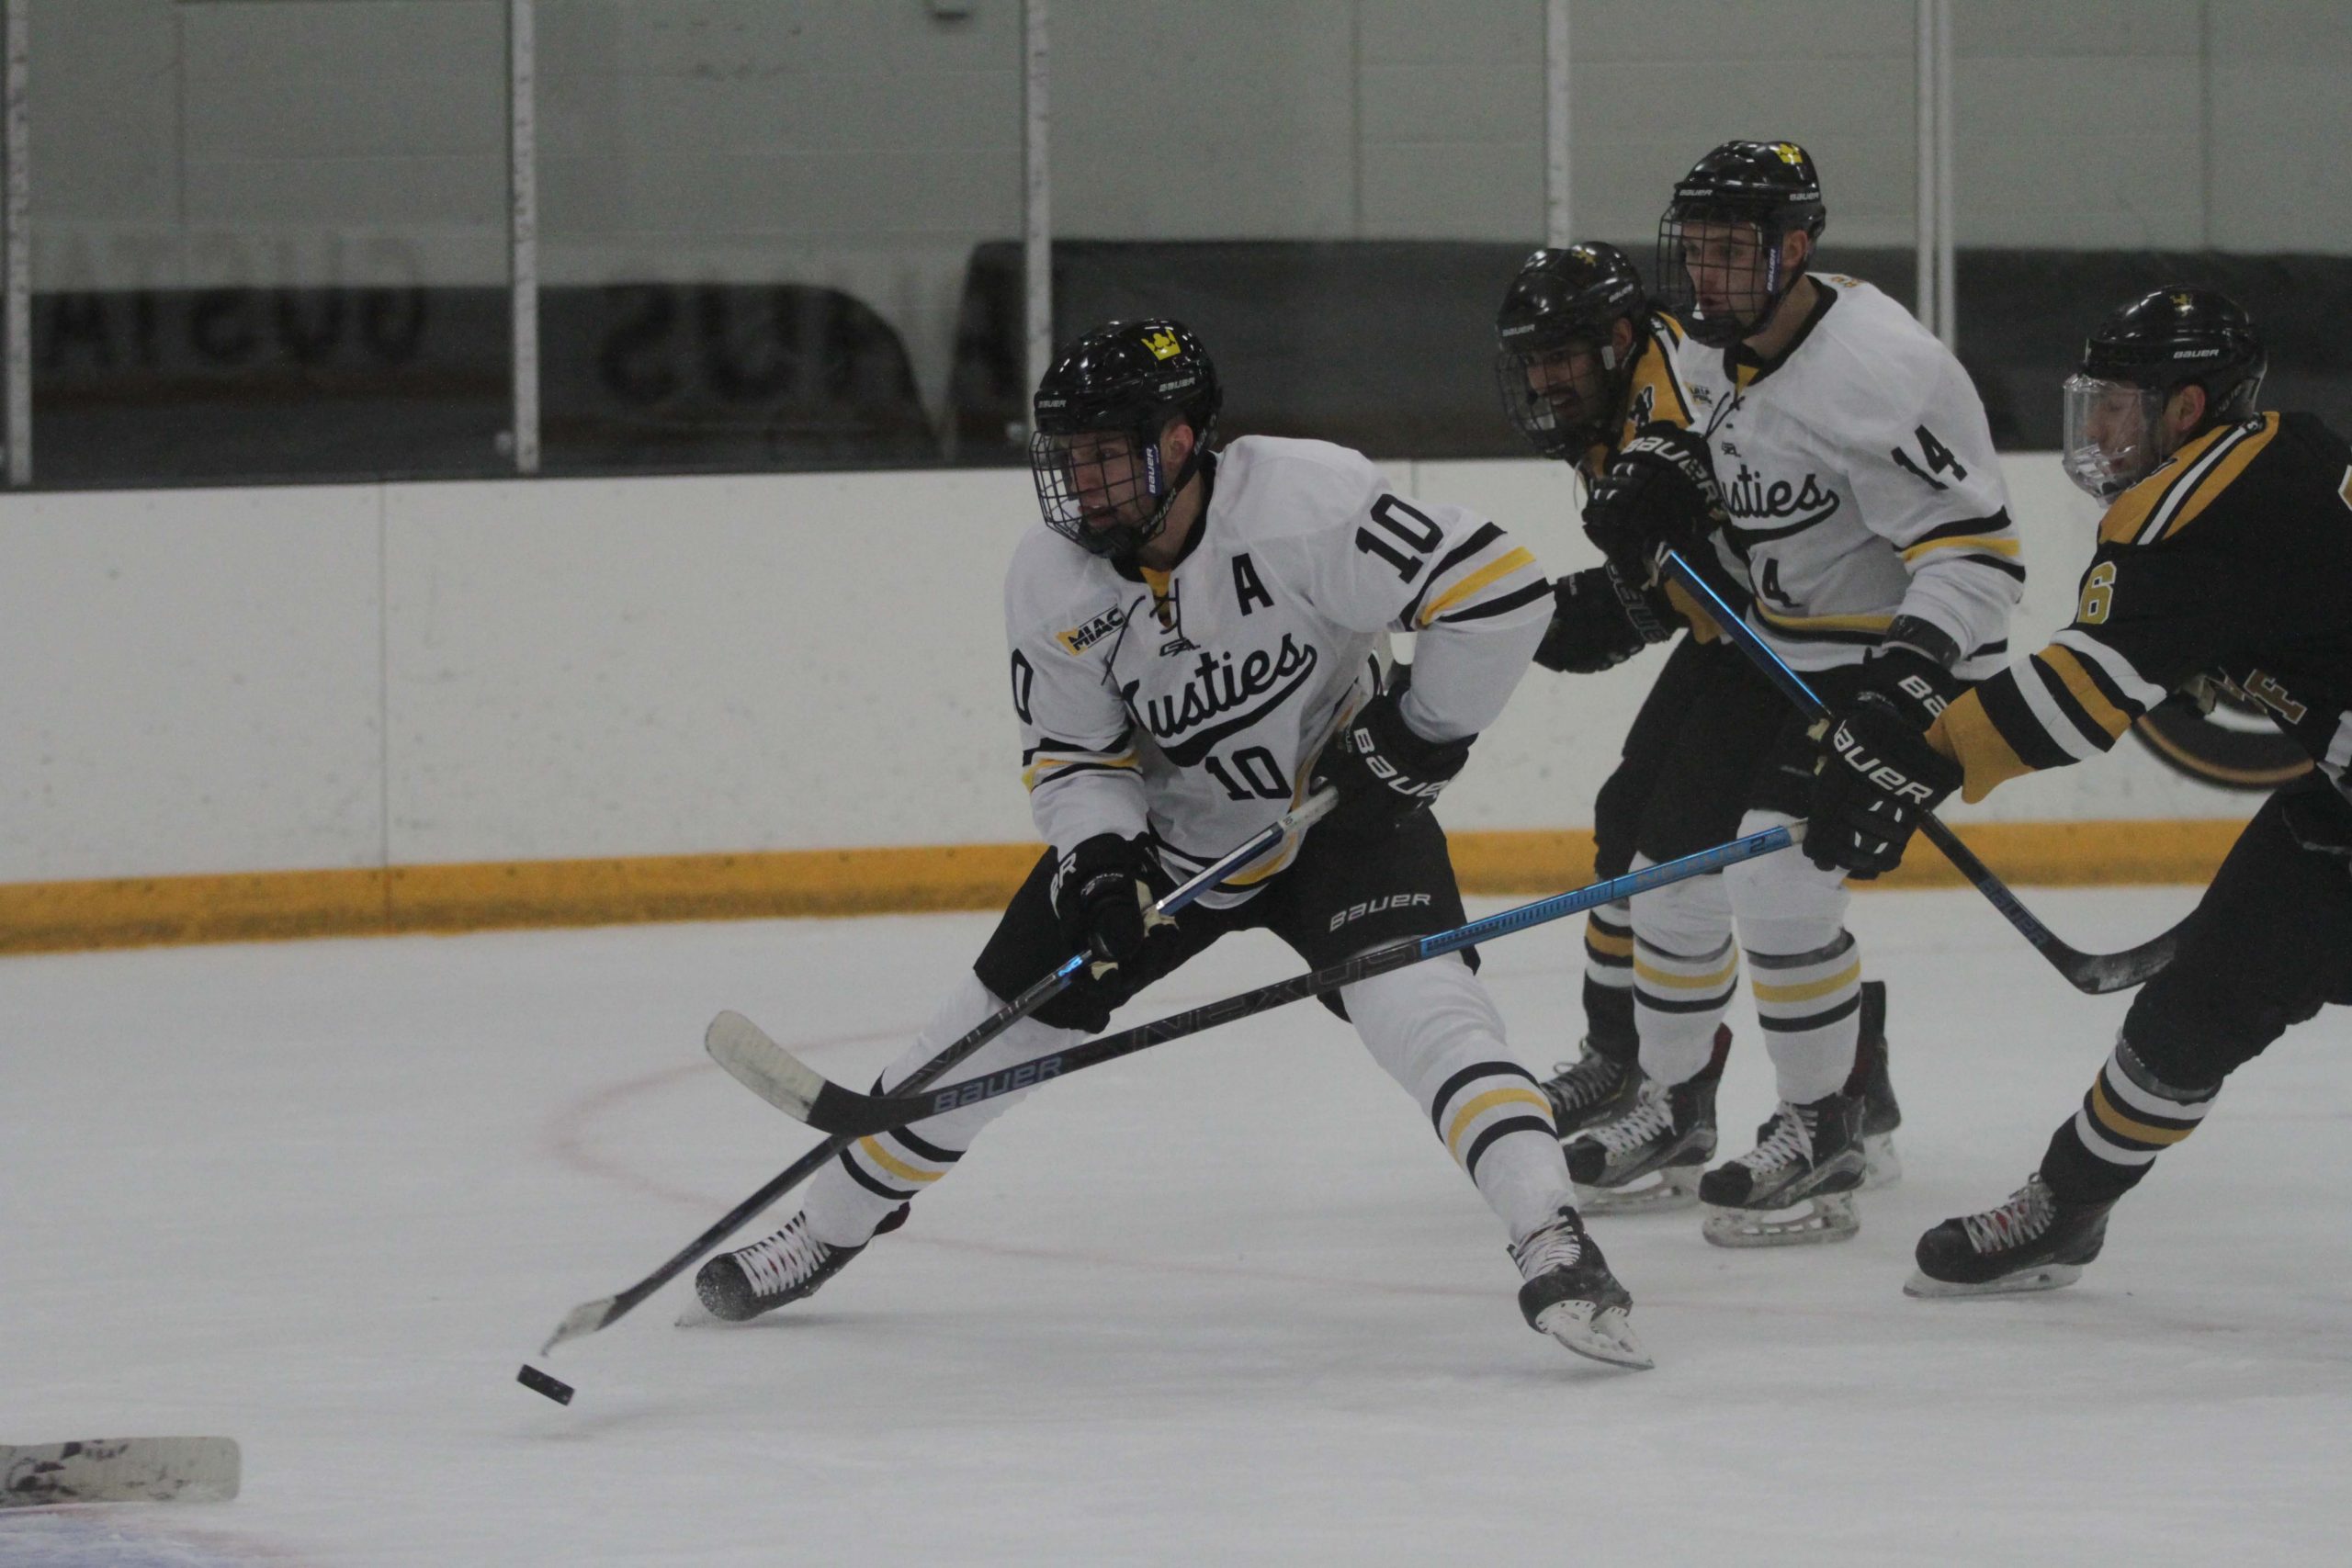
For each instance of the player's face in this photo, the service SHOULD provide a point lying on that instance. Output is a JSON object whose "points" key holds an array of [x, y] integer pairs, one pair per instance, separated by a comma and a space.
{"points": [[1729, 268], [1571, 381], [1105, 478], [2115, 435]]}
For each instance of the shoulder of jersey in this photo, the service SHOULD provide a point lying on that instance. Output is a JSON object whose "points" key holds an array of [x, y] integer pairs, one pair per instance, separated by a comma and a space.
{"points": [[1875, 348], [1052, 580], [1273, 486], [2194, 482]]}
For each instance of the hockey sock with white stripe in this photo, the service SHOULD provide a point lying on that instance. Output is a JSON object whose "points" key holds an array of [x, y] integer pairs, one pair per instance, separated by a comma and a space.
{"points": [[2127, 1118]]}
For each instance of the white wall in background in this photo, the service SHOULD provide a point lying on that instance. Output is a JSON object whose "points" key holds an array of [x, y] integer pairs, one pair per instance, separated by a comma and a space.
{"points": [[221, 680]]}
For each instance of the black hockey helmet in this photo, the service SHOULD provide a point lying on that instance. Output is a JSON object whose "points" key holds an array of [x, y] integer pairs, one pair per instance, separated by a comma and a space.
{"points": [[1123, 379], [1563, 301], [2134, 360], [1769, 186]]}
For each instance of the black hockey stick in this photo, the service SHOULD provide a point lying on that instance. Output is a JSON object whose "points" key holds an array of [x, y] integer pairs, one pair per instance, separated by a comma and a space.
{"points": [[589, 1316], [776, 1076], [2095, 973]]}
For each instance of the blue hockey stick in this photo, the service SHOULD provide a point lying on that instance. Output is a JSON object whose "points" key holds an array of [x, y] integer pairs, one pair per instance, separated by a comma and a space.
{"points": [[781, 1079], [2096, 973]]}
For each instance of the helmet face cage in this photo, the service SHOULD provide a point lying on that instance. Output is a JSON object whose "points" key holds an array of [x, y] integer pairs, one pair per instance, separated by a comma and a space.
{"points": [[1719, 264], [1719, 274], [2112, 435], [1100, 412], [1562, 391], [2144, 352], [1558, 368], [1105, 489]]}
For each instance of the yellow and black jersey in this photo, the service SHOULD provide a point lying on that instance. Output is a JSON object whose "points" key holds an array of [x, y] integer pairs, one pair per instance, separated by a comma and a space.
{"points": [[2233, 560], [1655, 393]]}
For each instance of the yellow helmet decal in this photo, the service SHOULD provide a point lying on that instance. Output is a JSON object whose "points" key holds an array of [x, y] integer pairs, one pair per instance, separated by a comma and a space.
{"points": [[1162, 343]]}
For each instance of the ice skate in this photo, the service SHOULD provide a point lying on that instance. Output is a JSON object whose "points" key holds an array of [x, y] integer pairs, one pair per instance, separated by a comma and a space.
{"points": [[1649, 1158], [1570, 1294], [2035, 1241], [1805, 1152], [738, 1286], [1591, 1089], [1881, 1115]]}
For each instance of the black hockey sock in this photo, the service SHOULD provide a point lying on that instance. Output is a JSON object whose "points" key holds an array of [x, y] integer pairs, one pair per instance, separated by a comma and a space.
{"points": [[1608, 1023], [2128, 1117], [1609, 984]]}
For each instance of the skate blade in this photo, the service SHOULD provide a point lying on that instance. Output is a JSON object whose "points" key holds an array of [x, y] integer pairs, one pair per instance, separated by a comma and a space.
{"points": [[1832, 1218], [2025, 1282], [1671, 1190], [1882, 1167], [1603, 1335]]}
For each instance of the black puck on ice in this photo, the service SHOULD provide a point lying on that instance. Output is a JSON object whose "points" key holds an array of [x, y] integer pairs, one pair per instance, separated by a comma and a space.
{"points": [[537, 1381]]}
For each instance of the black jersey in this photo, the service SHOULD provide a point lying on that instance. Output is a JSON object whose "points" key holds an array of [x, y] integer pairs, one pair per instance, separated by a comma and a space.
{"points": [[2232, 560]]}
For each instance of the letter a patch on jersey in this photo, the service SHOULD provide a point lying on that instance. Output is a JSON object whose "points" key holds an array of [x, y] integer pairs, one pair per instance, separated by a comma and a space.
{"points": [[1247, 589]]}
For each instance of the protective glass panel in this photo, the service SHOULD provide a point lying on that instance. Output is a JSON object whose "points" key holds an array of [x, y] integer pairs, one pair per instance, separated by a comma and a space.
{"points": [[766, 226], [1334, 195], [2106, 150], [268, 240]]}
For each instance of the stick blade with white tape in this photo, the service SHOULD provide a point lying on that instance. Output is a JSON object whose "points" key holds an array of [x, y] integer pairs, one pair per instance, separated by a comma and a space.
{"points": [[762, 1065], [119, 1469]]}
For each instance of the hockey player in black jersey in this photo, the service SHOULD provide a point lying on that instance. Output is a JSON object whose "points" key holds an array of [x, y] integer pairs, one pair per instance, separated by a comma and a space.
{"points": [[1194, 632], [1584, 364], [2225, 556]]}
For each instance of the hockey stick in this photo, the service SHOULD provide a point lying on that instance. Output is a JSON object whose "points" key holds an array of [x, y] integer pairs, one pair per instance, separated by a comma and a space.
{"points": [[2094, 972], [589, 1316], [776, 1076]]}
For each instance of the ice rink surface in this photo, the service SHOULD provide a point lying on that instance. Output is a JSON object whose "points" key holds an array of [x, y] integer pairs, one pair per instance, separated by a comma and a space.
{"points": [[1224, 1302]]}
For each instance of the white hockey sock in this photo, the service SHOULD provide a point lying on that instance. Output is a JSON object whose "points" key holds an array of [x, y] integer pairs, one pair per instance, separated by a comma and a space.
{"points": [[1810, 1005], [1807, 972], [1436, 1032], [1685, 972], [856, 1191]]}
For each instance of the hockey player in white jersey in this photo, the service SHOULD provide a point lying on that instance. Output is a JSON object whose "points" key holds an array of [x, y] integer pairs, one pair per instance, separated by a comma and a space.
{"points": [[1196, 638], [1854, 476]]}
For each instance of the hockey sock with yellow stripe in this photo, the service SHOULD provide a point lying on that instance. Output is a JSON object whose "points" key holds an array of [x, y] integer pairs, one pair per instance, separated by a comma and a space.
{"points": [[1434, 1030], [866, 1182], [2128, 1117], [1678, 999], [1810, 1005], [1609, 982]]}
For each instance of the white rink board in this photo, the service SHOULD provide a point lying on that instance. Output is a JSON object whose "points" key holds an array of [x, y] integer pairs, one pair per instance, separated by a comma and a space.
{"points": [[1224, 1302], [327, 677]]}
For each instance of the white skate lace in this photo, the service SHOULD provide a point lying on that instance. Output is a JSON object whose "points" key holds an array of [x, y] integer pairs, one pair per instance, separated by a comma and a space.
{"points": [[2024, 1217], [1789, 1142], [1586, 1081], [1555, 1245], [784, 1259], [1652, 1118]]}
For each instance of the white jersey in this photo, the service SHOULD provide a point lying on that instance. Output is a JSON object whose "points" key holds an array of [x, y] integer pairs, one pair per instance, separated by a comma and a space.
{"points": [[1861, 483], [1192, 703]]}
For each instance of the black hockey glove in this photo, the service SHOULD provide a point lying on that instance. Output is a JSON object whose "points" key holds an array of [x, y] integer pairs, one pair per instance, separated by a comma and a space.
{"points": [[1598, 623], [1877, 775], [2318, 817], [1382, 771], [1101, 892], [1660, 494]]}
